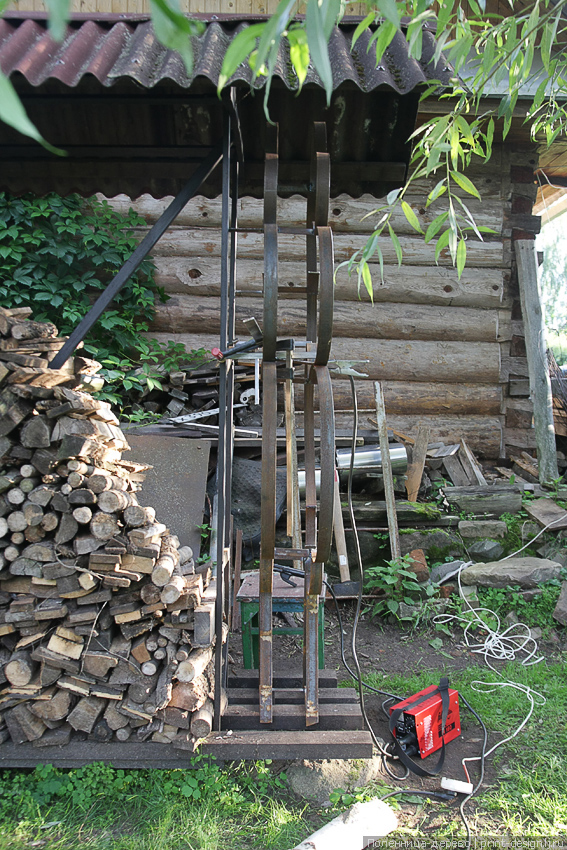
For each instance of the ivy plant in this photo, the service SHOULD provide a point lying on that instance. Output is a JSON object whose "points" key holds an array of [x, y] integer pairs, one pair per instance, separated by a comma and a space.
{"points": [[57, 255]]}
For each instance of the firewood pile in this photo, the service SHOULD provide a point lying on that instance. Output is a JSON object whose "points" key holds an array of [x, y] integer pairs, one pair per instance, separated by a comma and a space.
{"points": [[106, 623]]}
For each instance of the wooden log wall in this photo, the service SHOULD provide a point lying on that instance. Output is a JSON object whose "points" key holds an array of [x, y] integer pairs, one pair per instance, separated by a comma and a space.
{"points": [[188, 7], [447, 350]]}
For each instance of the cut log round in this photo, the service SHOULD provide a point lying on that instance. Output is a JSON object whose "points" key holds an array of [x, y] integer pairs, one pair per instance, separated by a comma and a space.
{"points": [[149, 668], [112, 501], [123, 734], [104, 526], [16, 521], [136, 515], [195, 664], [15, 496], [33, 514], [50, 521], [83, 515], [172, 590], [20, 669]]}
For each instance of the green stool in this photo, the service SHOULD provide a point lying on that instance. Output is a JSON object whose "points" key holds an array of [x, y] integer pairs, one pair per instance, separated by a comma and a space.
{"points": [[285, 598]]}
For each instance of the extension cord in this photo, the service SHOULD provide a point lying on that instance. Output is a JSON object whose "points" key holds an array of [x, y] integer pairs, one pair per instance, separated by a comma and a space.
{"points": [[456, 785]]}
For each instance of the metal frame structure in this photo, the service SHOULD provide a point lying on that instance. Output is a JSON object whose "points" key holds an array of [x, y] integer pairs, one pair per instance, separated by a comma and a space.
{"points": [[313, 363]]}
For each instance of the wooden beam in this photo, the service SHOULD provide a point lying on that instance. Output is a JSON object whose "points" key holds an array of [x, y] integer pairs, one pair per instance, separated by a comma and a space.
{"points": [[540, 384]]}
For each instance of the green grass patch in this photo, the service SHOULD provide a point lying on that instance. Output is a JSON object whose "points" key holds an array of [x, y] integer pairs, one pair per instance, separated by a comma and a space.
{"points": [[204, 807], [530, 794]]}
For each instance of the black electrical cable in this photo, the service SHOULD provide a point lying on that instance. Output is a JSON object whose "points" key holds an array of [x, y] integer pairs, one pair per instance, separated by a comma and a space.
{"points": [[358, 676], [480, 781], [446, 796]]}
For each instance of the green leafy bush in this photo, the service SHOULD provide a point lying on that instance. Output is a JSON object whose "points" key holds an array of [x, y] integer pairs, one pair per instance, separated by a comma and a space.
{"points": [[394, 582], [58, 254]]}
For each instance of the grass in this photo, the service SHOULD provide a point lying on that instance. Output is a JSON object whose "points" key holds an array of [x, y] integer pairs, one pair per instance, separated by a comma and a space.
{"points": [[96, 807], [529, 793]]}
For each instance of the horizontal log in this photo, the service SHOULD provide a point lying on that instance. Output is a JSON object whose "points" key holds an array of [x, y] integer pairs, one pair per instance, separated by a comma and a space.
{"points": [[406, 284], [483, 434], [195, 314], [198, 242], [394, 360], [346, 214], [416, 399]]}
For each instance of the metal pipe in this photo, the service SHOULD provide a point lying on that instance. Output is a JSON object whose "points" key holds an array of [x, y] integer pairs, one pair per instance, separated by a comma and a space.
{"points": [[366, 459]]}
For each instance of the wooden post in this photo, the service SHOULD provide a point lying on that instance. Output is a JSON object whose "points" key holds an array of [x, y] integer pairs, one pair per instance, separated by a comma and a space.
{"points": [[540, 384], [389, 494]]}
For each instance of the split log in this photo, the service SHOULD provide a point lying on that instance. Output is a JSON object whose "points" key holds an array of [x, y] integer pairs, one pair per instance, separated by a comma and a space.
{"points": [[202, 718], [32, 727], [20, 669], [167, 561], [104, 526], [194, 665], [136, 515], [178, 586], [55, 708], [86, 713]]}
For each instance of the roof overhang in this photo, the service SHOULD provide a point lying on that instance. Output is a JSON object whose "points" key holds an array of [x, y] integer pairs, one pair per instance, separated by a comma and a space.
{"points": [[133, 121]]}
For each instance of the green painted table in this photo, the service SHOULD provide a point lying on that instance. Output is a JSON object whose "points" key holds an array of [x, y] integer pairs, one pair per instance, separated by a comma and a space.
{"points": [[285, 599]]}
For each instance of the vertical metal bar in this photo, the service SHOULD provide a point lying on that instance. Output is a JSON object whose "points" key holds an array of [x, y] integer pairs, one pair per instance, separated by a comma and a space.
{"points": [[225, 424], [267, 545], [387, 473], [311, 646]]}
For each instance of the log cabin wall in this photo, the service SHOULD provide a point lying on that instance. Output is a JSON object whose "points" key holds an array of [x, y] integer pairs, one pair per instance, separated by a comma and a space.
{"points": [[450, 353]]}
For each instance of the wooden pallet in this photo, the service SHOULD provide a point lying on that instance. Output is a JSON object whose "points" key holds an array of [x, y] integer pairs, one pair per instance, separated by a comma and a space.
{"points": [[339, 734]]}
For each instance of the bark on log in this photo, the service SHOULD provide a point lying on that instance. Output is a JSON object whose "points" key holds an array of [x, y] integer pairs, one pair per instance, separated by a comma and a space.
{"points": [[196, 314], [104, 526], [396, 360], [20, 669], [112, 501], [194, 665], [411, 399]]}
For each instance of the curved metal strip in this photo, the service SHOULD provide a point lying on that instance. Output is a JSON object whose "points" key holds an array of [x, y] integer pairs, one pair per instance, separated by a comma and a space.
{"points": [[326, 296], [321, 375], [319, 188]]}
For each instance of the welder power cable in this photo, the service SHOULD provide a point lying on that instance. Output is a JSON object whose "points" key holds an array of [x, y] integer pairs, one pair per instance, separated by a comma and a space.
{"points": [[377, 742]]}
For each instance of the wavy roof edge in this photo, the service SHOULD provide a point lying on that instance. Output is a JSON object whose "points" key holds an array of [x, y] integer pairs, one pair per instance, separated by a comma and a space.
{"points": [[128, 49]]}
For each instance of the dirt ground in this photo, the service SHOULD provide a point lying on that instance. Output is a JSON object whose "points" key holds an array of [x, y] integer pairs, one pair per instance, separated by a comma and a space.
{"points": [[388, 649]]}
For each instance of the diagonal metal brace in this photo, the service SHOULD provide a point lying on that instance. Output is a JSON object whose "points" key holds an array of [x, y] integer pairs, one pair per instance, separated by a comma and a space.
{"points": [[189, 190]]}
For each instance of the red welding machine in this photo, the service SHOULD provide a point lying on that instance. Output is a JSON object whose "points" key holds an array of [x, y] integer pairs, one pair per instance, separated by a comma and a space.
{"points": [[418, 724]]}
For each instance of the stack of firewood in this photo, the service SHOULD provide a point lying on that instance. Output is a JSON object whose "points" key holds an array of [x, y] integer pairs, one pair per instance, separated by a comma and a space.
{"points": [[106, 623]]}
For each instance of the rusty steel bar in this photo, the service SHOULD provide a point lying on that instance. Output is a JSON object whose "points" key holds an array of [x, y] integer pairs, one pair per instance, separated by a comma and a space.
{"points": [[141, 252], [311, 646], [268, 540]]}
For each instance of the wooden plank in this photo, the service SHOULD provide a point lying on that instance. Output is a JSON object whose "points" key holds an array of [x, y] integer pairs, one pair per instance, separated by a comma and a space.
{"points": [[293, 696], [415, 468], [242, 745], [389, 493], [455, 471], [547, 513], [471, 465], [491, 502], [286, 675], [332, 716], [540, 385]]}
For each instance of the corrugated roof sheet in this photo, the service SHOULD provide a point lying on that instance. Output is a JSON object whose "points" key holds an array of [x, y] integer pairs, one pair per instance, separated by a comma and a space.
{"points": [[113, 51]]}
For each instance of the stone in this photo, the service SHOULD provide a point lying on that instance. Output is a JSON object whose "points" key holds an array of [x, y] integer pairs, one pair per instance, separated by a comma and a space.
{"points": [[314, 780], [530, 595], [419, 565], [485, 550], [437, 543], [481, 528], [442, 572], [511, 619], [535, 632], [560, 611], [525, 572], [470, 594]]}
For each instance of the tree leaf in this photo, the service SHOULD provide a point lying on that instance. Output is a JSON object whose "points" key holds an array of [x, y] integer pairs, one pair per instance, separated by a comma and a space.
{"points": [[174, 30], [238, 51], [389, 9], [362, 27], [12, 112], [318, 46], [411, 217], [461, 257], [442, 243], [367, 278], [435, 226], [465, 184], [299, 52], [58, 17], [396, 244]]}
